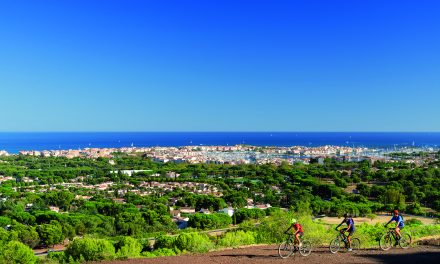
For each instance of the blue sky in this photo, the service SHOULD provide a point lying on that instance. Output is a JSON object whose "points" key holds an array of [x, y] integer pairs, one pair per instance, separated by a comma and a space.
{"points": [[219, 65]]}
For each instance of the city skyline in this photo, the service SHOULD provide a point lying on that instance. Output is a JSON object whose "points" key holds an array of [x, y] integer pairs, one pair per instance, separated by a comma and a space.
{"points": [[226, 66]]}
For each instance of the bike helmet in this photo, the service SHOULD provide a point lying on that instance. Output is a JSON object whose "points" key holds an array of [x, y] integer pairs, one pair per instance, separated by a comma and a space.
{"points": [[346, 215], [395, 211], [293, 221]]}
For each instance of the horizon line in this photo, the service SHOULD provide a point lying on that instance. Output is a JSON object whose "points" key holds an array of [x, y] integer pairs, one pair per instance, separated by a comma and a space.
{"points": [[217, 131]]}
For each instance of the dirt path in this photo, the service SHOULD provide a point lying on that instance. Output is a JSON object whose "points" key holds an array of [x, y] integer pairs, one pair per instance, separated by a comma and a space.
{"points": [[268, 254]]}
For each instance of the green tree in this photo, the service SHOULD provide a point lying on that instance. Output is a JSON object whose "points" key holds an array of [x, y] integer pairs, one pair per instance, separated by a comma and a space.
{"points": [[15, 252], [129, 223], [392, 196], [27, 234], [90, 249], [243, 214], [414, 208], [209, 221], [128, 247], [50, 234]]}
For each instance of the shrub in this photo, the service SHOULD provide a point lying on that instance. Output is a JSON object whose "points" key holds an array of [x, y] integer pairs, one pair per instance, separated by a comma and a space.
{"points": [[423, 230], [90, 249], [160, 253], [4, 221], [371, 216], [271, 230], [414, 208], [164, 242], [237, 238], [16, 252], [194, 242], [340, 182], [59, 257], [129, 248], [369, 234], [272, 210], [413, 222], [247, 225]]}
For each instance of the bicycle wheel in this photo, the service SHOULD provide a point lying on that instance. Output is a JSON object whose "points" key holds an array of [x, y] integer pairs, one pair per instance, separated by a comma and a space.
{"points": [[306, 248], [386, 242], [335, 245], [285, 250], [405, 240], [355, 243]]}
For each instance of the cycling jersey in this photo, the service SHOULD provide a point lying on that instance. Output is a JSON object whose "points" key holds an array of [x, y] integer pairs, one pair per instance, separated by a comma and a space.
{"points": [[298, 227], [349, 222], [399, 220]]}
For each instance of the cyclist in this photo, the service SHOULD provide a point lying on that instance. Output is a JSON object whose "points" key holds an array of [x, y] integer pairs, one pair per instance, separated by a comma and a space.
{"points": [[399, 222], [297, 230], [350, 228]]}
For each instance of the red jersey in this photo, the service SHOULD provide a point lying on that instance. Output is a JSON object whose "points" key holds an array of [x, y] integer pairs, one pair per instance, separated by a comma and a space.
{"points": [[298, 227]]}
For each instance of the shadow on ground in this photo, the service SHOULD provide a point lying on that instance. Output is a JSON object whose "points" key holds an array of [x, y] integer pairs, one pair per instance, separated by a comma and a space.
{"points": [[419, 257]]}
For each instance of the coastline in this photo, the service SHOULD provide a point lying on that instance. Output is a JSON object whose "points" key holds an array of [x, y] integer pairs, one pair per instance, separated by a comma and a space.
{"points": [[13, 142]]}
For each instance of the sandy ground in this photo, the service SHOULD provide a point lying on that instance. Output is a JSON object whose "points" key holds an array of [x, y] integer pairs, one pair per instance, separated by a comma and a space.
{"points": [[269, 254]]}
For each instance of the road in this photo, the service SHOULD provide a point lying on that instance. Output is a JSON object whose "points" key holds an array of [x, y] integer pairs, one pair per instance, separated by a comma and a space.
{"points": [[269, 254]]}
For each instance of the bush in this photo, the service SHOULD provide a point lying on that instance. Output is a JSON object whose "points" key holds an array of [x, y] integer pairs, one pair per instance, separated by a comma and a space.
{"points": [[90, 249], [4, 221], [194, 242], [369, 234], [272, 210], [237, 238], [129, 248], [160, 253], [371, 216], [415, 209], [340, 182], [423, 230], [247, 225], [315, 231], [413, 222], [16, 252], [59, 257], [164, 242], [271, 230]]}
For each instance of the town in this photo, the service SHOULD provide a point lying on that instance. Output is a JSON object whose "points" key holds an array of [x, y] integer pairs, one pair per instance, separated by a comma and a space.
{"points": [[238, 154]]}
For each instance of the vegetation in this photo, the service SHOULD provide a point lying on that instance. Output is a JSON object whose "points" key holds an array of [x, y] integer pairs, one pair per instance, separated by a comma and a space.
{"points": [[15, 252], [90, 249], [209, 221], [116, 221]]}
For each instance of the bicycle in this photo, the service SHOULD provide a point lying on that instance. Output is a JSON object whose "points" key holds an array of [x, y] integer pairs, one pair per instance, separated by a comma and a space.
{"points": [[386, 241], [335, 244], [288, 247]]}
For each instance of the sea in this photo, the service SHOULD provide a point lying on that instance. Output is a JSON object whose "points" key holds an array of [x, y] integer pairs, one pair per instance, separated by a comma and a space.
{"points": [[13, 142]]}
